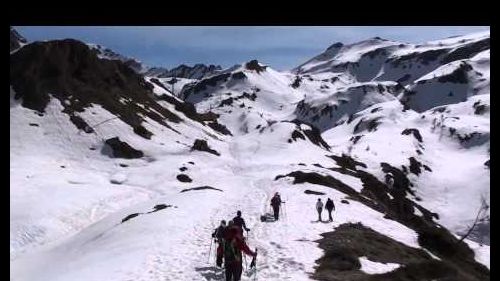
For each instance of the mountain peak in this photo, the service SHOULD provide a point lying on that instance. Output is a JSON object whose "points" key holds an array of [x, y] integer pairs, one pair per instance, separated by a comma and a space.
{"points": [[255, 65], [336, 46], [106, 53], [16, 40]]}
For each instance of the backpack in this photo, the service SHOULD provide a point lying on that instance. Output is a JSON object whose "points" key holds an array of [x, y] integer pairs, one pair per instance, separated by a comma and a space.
{"points": [[267, 218], [231, 252]]}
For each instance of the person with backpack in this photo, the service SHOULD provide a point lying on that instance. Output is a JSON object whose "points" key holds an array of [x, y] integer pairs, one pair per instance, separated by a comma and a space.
{"points": [[240, 222], [219, 234], [329, 206], [219, 231], [319, 208], [276, 203], [234, 245]]}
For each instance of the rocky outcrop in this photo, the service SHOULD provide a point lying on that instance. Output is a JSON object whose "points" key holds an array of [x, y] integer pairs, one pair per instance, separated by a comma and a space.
{"points": [[116, 148], [202, 145]]}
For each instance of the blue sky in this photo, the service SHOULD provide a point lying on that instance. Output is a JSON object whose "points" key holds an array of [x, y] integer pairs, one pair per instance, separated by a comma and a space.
{"points": [[280, 47]]}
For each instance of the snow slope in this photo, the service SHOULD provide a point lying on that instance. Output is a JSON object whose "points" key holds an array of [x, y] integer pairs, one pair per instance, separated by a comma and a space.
{"points": [[172, 243]]}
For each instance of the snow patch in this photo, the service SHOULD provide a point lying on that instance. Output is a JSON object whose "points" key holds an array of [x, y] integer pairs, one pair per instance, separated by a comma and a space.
{"points": [[370, 267]]}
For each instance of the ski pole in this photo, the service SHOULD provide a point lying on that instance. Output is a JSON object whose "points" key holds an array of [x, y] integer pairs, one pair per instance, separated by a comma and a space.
{"points": [[245, 258], [282, 210], [210, 250], [215, 254], [255, 259]]}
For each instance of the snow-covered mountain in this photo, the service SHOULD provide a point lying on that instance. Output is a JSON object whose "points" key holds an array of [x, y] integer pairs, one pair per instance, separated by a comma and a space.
{"points": [[114, 176], [182, 72], [176, 78], [380, 59]]}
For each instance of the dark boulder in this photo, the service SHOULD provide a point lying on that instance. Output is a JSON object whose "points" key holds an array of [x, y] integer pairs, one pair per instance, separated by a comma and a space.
{"points": [[121, 149], [184, 178], [202, 145], [312, 192]]}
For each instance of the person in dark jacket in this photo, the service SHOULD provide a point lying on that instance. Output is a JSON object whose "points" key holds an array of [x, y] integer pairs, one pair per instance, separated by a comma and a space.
{"points": [[240, 222], [276, 203], [219, 231], [233, 247], [329, 206], [219, 234]]}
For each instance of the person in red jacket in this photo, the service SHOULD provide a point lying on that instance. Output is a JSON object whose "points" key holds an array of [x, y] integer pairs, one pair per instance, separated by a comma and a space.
{"points": [[233, 247]]}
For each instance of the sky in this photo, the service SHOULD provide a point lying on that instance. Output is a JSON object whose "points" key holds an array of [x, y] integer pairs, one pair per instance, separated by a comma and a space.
{"points": [[280, 47]]}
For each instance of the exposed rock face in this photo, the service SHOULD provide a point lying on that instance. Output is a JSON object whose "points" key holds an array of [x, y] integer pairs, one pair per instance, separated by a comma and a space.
{"points": [[198, 71], [254, 65], [71, 72]]}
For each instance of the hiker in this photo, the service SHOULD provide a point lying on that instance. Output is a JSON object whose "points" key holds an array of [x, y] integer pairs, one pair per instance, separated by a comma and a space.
{"points": [[275, 203], [240, 222], [219, 231], [219, 234], [329, 206], [233, 246], [319, 208]]}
